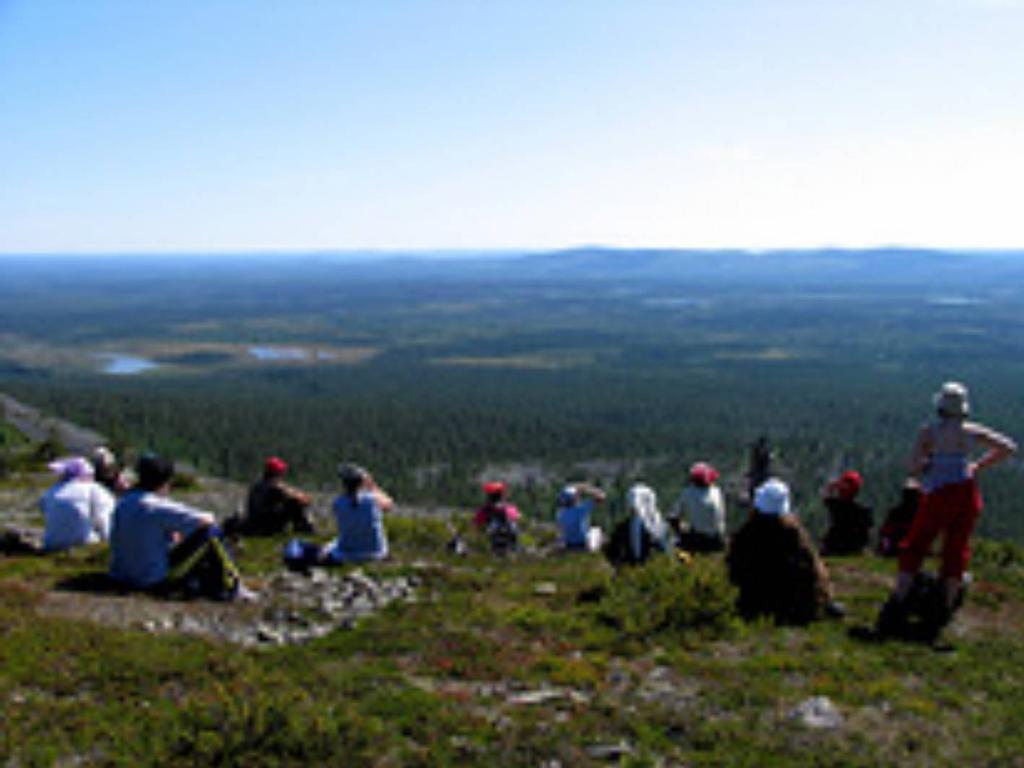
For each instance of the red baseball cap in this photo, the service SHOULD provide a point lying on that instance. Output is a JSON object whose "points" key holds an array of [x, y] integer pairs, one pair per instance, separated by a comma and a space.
{"points": [[494, 488], [703, 473], [275, 466], [849, 484]]}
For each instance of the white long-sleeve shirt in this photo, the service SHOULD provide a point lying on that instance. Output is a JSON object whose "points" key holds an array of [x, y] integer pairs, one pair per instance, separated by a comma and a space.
{"points": [[703, 508], [76, 512]]}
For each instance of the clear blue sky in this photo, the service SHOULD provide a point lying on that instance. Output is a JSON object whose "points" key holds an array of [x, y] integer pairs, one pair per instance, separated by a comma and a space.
{"points": [[136, 125]]}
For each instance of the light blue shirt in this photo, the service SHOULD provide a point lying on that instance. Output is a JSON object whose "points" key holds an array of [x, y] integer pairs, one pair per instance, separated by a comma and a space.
{"points": [[140, 537], [574, 523], [360, 529], [947, 467]]}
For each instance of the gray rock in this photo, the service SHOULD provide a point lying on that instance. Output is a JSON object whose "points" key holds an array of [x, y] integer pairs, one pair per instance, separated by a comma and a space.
{"points": [[189, 624], [362, 605], [269, 635], [539, 696], [817, 712], [610, 751]]}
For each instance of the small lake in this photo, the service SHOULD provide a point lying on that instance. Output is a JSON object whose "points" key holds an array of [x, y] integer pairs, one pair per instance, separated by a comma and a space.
{"points": [[954, 301], [669, 302], [117, 364], [272, 354]]}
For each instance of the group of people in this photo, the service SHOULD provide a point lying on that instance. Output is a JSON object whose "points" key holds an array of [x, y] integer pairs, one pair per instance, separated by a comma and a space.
{"points": [[166, 546], [158, 543]]}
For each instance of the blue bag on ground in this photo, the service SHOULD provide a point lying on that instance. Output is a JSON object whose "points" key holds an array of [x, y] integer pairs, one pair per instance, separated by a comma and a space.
{"points": [[301, 555]]}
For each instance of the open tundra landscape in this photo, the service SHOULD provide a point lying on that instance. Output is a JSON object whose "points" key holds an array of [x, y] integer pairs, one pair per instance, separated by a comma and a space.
{"points": [[614, 365], [511, 384], [533, 369]]}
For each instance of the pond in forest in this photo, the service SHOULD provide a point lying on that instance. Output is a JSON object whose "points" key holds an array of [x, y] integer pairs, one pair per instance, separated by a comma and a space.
{"points": [[118, 364], [273, 354]]}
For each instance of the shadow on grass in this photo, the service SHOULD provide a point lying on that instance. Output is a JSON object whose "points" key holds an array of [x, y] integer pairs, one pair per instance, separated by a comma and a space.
{"points": [[93, 582]]}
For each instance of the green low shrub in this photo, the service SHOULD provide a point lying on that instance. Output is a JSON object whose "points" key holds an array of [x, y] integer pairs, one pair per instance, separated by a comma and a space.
{"points": [[666, 597], [420, 535], [999, 561]]}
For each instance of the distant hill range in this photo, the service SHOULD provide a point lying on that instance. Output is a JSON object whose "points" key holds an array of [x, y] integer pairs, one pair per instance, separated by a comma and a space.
{"points": [[861, 266], [895, 265]]}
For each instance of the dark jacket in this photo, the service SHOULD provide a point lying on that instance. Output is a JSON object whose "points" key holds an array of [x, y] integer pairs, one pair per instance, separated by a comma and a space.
{"points": [[773, 563], [849, 529], [898, 522], [272, 506]]}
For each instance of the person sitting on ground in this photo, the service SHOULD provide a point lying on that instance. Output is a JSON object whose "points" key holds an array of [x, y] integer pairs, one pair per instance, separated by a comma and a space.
{"points": [[359, 512], [898, 520], [77, 509], [107, 471], [642, 532], [273, 506], [849, 530], [648, 531], [950, 505], [575, 504], [166, 546], [773, 563], [699, 513], [497, 518]]}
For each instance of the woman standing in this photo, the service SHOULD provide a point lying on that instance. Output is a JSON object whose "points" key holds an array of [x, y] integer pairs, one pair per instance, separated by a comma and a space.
{"points": [[950, 503]]}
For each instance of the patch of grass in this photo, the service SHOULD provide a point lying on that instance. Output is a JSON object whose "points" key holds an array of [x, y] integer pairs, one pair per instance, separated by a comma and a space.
{"points": [[1000, 562], [668, 598], [9, 436], [650, 657]]}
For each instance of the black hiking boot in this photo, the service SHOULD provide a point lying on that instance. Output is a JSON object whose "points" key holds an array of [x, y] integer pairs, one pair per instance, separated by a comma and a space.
{"points": [[892, 619], [934, 622]]}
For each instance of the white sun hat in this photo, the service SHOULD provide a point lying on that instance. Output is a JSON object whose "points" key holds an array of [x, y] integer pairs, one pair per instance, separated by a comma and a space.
{"points": [[772, 498], [951, 400]]}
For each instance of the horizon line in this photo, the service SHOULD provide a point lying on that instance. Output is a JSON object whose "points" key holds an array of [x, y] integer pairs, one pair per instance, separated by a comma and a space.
{"points": [[493, 251]]}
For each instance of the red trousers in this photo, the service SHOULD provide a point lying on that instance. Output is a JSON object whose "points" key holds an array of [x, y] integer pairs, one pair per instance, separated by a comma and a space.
{"points": [[953, 511]]}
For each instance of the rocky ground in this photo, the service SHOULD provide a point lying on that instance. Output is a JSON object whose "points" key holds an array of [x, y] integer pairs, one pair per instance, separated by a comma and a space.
{"points": [[288, 607]]}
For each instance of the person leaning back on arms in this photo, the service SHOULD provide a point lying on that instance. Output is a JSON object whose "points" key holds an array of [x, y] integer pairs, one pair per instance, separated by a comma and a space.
{"points": [[165, 546]]}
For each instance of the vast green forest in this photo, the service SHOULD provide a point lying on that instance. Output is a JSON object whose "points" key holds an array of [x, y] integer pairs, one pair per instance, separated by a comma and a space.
{"points": [[616, 366]]}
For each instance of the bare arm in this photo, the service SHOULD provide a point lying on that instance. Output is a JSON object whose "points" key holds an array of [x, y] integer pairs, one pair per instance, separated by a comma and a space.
{"points": [[922, 449], [999, 446], [293, 493], [595, 493], [381, 498]]}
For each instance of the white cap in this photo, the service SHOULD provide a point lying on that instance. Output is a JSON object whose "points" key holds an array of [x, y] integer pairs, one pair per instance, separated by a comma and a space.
{"points": [[951, 400], [772, 498]]}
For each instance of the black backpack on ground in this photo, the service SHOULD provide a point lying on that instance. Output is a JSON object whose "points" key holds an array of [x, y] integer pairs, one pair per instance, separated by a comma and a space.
{"points": [[922, 615], [501, 531]]}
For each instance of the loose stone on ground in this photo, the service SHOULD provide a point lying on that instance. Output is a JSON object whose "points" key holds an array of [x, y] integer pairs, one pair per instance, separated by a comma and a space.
{"points": [[291, 608]]}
